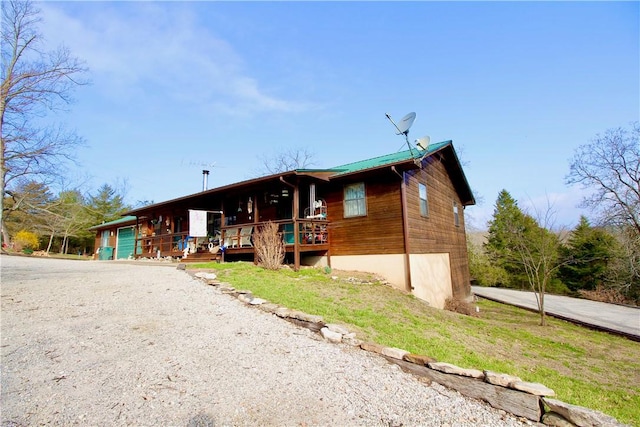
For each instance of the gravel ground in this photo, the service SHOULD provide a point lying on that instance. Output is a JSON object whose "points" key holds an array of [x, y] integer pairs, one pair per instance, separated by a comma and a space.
{"points": [[111, 343]]}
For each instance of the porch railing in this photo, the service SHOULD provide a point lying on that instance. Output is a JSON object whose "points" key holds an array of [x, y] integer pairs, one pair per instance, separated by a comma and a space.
{"points": [[167, 244], [309, 232]]}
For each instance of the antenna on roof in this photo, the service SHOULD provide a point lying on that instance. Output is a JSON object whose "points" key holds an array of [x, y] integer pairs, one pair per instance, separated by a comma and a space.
{"points": [[205, 170], [403, 127]]}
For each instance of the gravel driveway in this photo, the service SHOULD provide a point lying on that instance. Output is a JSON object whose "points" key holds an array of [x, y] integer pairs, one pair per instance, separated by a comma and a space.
{"points": [[110, 343]]}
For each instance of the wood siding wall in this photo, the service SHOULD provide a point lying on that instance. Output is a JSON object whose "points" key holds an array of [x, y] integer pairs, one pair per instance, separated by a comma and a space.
{"points": [[380, 231], [437, 233]]}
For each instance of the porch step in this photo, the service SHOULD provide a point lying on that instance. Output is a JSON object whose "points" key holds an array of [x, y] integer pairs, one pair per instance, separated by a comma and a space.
{"points": [[202, 256]]}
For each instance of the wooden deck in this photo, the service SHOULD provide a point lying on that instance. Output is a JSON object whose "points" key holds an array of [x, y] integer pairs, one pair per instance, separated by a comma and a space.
{"points": [[313, 236]]}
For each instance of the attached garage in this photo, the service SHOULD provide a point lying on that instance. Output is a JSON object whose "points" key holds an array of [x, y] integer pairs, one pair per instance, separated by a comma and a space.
{"points": [[115, 239]]}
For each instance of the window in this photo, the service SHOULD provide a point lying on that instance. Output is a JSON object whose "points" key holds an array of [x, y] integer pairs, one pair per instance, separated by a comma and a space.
{"points": [[424, 204], [456, 216], [354, 200], [105, 238]]}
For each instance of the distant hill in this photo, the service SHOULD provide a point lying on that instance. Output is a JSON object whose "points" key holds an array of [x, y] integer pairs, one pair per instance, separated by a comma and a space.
{"points": [[478, 238]]}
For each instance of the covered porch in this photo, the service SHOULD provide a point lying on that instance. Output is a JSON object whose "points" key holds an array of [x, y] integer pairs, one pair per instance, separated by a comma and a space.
{"points": [[228, 218]]}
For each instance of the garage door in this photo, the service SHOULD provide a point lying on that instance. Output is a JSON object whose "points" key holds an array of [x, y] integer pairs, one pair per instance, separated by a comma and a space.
{"points": [[126, 241]]}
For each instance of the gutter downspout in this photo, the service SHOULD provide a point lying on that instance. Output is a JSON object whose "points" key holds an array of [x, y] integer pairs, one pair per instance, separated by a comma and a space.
{"points": [[405, 229], [296, 237]]}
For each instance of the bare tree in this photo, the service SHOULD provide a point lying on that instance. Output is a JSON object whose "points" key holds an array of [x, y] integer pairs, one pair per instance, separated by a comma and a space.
{"points": [[610, 165], [34, 82], [286, 160], [537, 249], [531, 244]]}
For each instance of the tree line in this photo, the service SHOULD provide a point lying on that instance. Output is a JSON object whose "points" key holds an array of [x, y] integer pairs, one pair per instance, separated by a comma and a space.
{"points": [[39, 219], [600, 260]]}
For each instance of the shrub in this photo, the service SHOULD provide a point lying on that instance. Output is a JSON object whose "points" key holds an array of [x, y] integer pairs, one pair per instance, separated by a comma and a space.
{"points": [[602, 294], [26, 241], [459, 306], [269, 246], [482, 270]]}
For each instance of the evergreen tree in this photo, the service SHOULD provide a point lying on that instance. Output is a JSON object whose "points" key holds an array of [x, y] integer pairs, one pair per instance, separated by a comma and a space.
{"points": [[507, 216], [107, 205], [587, 255]]}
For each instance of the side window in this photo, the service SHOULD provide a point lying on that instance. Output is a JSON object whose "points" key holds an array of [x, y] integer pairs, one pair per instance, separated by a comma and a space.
{"points": [[424, 204], [105, 238], [456, 216], [355, 203]]}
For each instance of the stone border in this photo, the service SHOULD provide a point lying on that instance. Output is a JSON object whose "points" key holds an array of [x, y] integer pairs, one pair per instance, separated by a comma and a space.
{"points": [[502, 391]]}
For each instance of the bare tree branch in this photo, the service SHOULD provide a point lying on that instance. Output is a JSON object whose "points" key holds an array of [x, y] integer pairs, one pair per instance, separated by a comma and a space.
{"points": [[610, 165], [34, 83], [286, 160]]}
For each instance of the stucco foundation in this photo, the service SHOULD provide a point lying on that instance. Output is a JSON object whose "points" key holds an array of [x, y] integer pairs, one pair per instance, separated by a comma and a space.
{"points": [[431, 278], [391, 267], [430, 273]]}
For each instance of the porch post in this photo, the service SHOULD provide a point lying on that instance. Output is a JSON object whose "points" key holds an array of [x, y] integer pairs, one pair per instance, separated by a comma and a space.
{"points": [[296, 228], [296, 231], [222, 224], [256, 216]]}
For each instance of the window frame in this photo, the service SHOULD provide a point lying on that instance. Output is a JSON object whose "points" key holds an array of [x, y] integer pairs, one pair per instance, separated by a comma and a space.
{"points": [[361, 202], [456, 214], [424, 207], [104, 238]]}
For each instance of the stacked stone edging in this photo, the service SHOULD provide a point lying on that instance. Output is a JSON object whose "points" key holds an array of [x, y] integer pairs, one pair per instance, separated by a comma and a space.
{"points": [[502, 391]]}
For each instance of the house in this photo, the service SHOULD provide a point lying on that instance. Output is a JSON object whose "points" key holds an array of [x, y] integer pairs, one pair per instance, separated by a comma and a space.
{"points": [[400, 216]]}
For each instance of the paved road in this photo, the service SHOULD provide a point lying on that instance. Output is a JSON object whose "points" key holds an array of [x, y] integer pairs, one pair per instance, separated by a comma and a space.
{"points": [[610, 317]]}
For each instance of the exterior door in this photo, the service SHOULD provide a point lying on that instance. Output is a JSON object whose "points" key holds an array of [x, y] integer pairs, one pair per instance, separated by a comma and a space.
{"points": [[126, 243]]}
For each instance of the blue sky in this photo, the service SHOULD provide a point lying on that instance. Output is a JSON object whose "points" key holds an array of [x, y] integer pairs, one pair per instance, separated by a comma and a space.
{"points": [[179, 86]]}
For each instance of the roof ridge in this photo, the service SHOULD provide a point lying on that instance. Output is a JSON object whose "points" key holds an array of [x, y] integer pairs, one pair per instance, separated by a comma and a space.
{"points": [[391, 157]]}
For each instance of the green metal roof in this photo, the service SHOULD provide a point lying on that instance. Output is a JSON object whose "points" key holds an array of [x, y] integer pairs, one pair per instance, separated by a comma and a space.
{"points": [[122, 220], [388, 159]]}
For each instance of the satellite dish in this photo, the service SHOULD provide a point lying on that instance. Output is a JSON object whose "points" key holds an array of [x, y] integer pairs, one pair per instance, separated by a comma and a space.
{"points": [[423, 143], [403, 127], [405, 123]]}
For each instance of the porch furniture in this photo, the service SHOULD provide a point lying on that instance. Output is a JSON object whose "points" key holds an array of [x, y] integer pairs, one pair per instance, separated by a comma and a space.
{"points": [[245, 236], [314, 232], [318, 210], [231, 237]]}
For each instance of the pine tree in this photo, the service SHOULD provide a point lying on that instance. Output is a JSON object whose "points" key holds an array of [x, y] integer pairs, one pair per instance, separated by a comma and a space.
{"points": [[587, 254], [499, 247], [107, 205]]}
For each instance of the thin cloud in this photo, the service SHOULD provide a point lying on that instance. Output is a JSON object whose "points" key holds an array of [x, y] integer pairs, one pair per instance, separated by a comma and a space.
{"points": [[136, 49]]}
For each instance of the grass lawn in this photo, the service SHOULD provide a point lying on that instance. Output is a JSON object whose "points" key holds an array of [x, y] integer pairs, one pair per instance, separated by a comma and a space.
{"points": [[584, 367]]}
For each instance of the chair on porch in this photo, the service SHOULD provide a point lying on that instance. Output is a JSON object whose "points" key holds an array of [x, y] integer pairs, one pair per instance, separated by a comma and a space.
{"points": [[231, 237], [245, 236]]}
